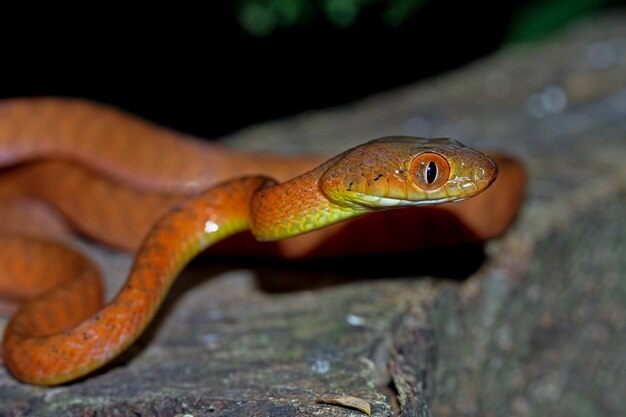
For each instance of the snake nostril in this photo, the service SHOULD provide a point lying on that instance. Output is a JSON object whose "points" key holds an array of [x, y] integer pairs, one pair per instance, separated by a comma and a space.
{"points": [[480, 174], [485, 172]]}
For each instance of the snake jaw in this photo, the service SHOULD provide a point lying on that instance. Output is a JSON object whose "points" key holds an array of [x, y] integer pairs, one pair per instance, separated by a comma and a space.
{"points": [[385, 202]]}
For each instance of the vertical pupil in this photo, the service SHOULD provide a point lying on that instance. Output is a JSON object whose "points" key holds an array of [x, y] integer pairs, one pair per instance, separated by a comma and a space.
{"points": [[431, 172]]}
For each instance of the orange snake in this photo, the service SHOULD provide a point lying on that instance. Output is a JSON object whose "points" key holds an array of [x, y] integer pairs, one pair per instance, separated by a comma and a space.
{"points": [[124, 194]]}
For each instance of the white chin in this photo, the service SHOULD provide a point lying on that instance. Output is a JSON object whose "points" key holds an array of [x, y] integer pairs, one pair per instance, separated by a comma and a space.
{"points": [[392, 202]]}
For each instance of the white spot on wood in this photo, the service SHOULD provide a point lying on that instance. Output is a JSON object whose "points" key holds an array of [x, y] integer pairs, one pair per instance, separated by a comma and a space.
{"points": [[356, 321]]}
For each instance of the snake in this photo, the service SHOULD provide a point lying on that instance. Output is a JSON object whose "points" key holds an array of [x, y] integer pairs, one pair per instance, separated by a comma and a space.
{"points": [[198, 195]]}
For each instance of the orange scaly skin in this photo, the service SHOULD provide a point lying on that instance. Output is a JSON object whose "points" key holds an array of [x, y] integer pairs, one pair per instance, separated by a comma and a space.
{"points": [[130, 172], [36, 355], [99, 136], [111, 213], [64, 145], [123, 194]]}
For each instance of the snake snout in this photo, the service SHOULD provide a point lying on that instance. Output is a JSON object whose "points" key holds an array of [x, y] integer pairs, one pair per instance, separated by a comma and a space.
{"points": [[484, 172]]}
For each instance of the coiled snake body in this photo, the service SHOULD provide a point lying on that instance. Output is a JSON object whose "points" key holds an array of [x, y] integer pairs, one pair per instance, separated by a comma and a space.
{"points": [[46, 343]]}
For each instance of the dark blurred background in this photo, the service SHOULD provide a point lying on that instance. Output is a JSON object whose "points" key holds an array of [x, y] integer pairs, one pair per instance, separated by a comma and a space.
{"points": [[215, 69]]}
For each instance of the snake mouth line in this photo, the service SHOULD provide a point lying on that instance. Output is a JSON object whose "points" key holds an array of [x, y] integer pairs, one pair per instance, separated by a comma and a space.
{"points": [[373, 201]]}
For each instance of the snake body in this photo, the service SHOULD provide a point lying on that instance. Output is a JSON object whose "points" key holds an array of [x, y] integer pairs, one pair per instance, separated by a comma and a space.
{"points": [[46, 344]]}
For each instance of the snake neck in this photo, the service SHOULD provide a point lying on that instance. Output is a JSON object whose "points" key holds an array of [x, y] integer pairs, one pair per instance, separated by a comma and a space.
{"points": [[295, 207]]}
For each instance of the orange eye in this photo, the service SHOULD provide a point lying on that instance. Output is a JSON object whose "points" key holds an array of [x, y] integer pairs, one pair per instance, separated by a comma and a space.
{"points": [[431, 170]]}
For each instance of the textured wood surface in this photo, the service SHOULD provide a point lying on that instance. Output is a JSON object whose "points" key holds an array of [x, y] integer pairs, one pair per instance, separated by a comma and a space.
{"points": [[532, 324]]}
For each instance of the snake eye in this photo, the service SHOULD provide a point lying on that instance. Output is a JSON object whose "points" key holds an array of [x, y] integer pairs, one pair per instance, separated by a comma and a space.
{"points": [[431, 170]]}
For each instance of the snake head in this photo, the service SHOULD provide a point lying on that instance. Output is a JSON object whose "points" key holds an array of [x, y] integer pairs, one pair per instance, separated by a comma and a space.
{"points": [[401, 171]]}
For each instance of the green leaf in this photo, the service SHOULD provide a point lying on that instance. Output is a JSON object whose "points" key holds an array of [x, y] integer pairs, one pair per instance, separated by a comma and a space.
{"points": [[399, 11], [538, 19]]}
